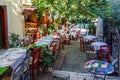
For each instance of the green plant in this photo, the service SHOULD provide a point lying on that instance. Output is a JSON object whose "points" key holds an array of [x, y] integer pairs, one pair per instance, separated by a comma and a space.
{"points": [[47, 59], [51, 28], [92, 29], [13, 40]]}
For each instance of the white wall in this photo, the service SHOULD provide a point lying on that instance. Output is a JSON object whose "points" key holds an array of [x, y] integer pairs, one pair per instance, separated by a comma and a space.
{"points": [[15, 18]]}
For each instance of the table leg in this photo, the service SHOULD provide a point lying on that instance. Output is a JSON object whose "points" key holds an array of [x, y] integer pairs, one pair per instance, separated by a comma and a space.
{"points": [[96, 77], [104, 77]]}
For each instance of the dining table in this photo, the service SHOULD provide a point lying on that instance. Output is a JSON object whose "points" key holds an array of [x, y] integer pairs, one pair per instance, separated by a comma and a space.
{"points": [[96, 45], [89, 37], [99, 67], [44, 41], [11, 58]]}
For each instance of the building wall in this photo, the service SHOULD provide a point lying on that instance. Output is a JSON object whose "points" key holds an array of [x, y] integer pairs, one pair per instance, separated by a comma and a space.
{"points": [[14, 16]]}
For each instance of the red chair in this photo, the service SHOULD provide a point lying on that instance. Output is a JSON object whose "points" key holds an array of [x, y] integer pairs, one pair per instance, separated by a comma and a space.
{"points": [[53, 48], [66, 39], [55, 33], [88, 47], [82, 43], [22, 43], [32, 38], [77, 35], [104, 53], [62, 41], [35, 61]]}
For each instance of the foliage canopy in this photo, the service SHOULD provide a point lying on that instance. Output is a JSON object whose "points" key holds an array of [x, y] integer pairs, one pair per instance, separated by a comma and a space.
{"points": [[74, 9]]}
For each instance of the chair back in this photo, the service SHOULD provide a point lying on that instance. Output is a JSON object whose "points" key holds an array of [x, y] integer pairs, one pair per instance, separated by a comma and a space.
{"points": [[22, 43], [35, 61], [104, 53], [35, 55], [77, 35], [81, 43], [22, 71]]}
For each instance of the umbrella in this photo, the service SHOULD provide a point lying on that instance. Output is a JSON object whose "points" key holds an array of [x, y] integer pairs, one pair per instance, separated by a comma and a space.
{"points": [[99, 28]]}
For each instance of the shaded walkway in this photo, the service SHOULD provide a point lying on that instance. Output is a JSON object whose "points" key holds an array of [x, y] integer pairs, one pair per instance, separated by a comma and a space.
{"points": [[75, 59]]}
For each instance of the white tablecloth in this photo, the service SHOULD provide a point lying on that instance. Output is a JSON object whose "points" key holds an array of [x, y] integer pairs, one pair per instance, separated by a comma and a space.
{"points": [[96, 45], [89, 37], [12, 57], [45, 41]]}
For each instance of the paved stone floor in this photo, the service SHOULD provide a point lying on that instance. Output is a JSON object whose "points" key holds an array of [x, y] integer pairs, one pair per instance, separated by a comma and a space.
{"points": [[70, 65], [75, 58], [73, 65]]}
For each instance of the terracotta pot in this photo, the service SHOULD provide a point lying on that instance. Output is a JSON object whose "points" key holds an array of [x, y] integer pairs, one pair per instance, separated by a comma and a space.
{"points": [[44, 19]]}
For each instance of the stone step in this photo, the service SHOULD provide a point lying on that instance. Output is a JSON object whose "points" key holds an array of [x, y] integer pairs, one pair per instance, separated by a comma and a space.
{"points": [[81, 76]]}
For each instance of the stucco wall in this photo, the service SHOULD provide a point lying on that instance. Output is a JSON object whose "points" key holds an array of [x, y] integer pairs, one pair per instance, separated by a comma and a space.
{"points": [[15, 18]]}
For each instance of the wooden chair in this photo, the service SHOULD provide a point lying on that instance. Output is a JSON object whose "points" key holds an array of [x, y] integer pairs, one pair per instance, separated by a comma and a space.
{"points": [[66, 40], [90, 53], [53, 48], [22, 71], [22, 43], [38, 36], [77, 35], [32, 37], [104, 53], [35, 61], [81, 43], [62, 41], [88, 47], [58, 44]]}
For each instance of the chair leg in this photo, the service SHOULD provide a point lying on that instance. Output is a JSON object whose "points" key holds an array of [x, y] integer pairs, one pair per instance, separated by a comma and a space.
{"points": [[38, 71], [32, 74]]}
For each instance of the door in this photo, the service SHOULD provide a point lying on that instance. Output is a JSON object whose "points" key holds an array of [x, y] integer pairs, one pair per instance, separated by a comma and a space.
{"points": [[3, 27]]}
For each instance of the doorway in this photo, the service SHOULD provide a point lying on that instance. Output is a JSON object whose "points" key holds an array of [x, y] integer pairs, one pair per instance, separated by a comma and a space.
{"points": [[3, 27]]}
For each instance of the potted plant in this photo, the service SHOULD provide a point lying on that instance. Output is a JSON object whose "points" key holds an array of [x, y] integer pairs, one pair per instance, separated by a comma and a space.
{"points": [[47, 59], [13, 40]]}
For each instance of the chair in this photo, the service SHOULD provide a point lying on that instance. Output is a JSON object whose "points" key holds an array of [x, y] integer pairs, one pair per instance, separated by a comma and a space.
{"points": [[81, 43], [77, 35], [53, 48], [35, 61], [22, 43], [62, 41], [38, 36], [104, 53], [32, 38], [88, 47], [89, 50], [22, 71], [66, 39]]}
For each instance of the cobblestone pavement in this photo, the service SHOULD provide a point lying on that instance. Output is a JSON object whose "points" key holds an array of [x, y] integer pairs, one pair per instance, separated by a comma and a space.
{"points": [[73, 66], [75, 58]]}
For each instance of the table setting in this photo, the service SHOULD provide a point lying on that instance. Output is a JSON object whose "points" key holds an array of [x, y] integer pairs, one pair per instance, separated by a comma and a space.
{"points": [[44, 41], [89, 37], [96, 45], [11, 56], [99, 67]]}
